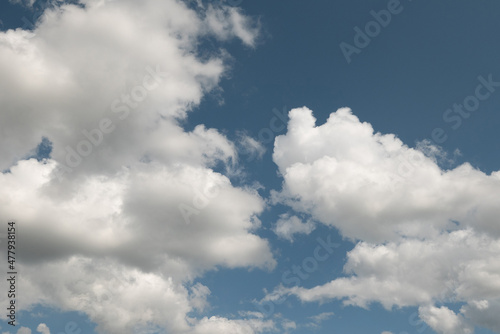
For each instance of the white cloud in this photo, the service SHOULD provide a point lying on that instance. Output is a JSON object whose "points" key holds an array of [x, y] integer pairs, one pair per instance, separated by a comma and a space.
{"points": [[288, 325], [287, 226], [444, 321], [373, 187], [250, 147], [423, 235], [227, 22], [24, 330], [198, 298], [109, 239], [98, 61], [322, 317], [216, 325], [42, 328], [484, 312], [319, 318]]}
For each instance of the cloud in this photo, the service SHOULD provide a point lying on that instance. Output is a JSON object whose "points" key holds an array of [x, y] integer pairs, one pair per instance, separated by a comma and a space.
{"points": [[215, 325], [372, 187], [110, 72], [24, 330], [319, 318], [423, 235], [250, 147], [27, 3], [287, 226], [444, 320], [128, 210], [322, 317], [42, 328], [227, 22]]}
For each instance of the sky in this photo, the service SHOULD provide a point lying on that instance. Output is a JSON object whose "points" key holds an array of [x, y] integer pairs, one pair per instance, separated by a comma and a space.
{"points": [[250, 166]]}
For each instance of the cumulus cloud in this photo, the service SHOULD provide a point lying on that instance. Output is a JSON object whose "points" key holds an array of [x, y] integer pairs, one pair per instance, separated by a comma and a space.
{"points": [[216, 325], [24, 330], [423, 235], [444, 320], [372, 187], [287, 226], [42, 328], [127, 211]]}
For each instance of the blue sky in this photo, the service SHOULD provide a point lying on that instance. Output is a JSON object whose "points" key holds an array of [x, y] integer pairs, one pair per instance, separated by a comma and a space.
{"points": [[203, 204]]}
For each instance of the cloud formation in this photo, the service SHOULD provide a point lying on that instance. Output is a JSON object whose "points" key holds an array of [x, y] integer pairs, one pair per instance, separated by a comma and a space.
{"points": [[423, 235], [287, 226], [42, 328], [109, 84]]}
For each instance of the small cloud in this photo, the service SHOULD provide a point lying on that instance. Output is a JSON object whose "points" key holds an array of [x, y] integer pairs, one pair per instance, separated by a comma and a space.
{"points": [[386, 332], [322, 316], [24, 330], [288, 324], [251, 314], [249, 147], [288, 225], [437, 153], [42, 328], [198, 296], [318, 319]]}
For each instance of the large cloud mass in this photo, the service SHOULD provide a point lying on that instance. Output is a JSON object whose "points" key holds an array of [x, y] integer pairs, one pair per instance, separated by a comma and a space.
{"points": [[424, 235], [128, 211]]}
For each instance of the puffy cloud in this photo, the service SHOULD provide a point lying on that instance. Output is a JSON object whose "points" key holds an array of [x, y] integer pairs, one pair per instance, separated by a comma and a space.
{"points": [[216, 325], [288, 225], [484, 312], [100, 66], [372, 187], [227, 22], [42, 328], [127, 211], [24, 330], [443, 320], [424, 235], [454, 267]]}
